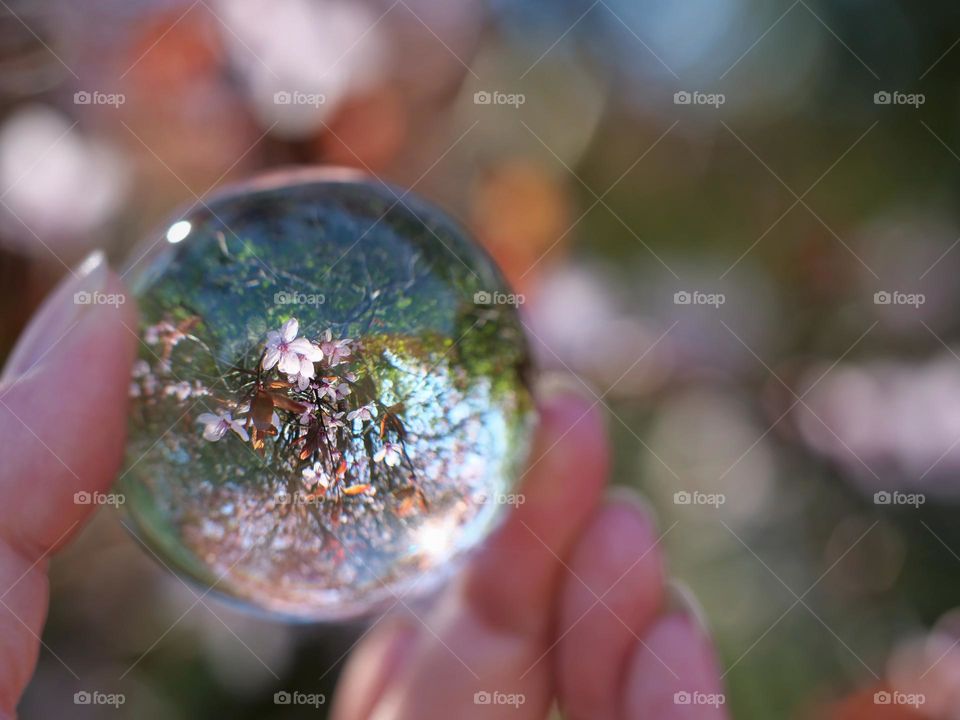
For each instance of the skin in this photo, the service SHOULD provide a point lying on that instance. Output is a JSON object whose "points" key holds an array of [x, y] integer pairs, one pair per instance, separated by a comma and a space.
{"points": [[565, 605]]}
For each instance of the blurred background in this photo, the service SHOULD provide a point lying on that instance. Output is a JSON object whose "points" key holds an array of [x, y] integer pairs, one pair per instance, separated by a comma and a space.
{"points": [[734, 220]]}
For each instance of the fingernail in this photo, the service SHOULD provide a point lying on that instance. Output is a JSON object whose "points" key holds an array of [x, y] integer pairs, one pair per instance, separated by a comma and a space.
{"points": [[559, 395], [62, 309], [553, 385], [681, 600], [629, 496]]}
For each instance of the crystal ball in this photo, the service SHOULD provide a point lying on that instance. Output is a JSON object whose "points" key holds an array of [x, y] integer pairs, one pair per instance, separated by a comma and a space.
{"points": [[331, 405]]}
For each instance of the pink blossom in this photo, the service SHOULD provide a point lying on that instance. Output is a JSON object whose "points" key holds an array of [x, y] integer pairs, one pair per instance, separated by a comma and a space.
{"points": [[309, 414], [390, 453], [315, 475], [364, 412], [293, 356], [334, 390], [216, 426], [335, 350], [304, 376]]}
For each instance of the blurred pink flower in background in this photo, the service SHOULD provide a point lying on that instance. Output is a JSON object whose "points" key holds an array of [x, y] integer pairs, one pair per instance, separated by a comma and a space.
{"points": [[57, 184]]}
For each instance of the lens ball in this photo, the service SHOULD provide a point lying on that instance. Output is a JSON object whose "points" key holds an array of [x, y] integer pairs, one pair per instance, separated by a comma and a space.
{"points": [[330, 405]]}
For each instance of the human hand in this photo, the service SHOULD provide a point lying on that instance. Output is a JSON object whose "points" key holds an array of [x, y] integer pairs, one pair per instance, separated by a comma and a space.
{"points": [[62, 420], [565, 603]]}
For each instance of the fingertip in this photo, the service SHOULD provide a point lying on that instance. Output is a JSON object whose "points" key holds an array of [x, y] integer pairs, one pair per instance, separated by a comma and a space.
{"points": [[371, 667], [627, 497], [566, 409], [570, 460], [515, 575], [681, 598], [63, 404], [613, 590], [621, 536], [81, 297], [674, 674]]}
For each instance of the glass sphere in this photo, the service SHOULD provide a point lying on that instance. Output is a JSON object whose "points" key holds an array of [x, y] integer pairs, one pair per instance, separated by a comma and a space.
{"points": [[330, 405]]}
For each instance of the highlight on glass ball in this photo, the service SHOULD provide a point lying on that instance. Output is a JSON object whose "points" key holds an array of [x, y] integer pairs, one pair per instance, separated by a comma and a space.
{"points": [[331, 399]]}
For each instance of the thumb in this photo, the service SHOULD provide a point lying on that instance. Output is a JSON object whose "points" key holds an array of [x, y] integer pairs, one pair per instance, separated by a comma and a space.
{"points": [[62, 423]]}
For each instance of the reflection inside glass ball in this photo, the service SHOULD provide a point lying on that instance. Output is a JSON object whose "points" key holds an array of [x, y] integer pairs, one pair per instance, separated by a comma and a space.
{"points": [[330, 403]]}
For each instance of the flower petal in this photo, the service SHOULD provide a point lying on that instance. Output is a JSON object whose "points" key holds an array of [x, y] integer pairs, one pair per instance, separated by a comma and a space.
{"points": [[271, 357], [290, 329], [214, 432], [240, 430], [306, 368], [289, 363], [300, 346]]}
